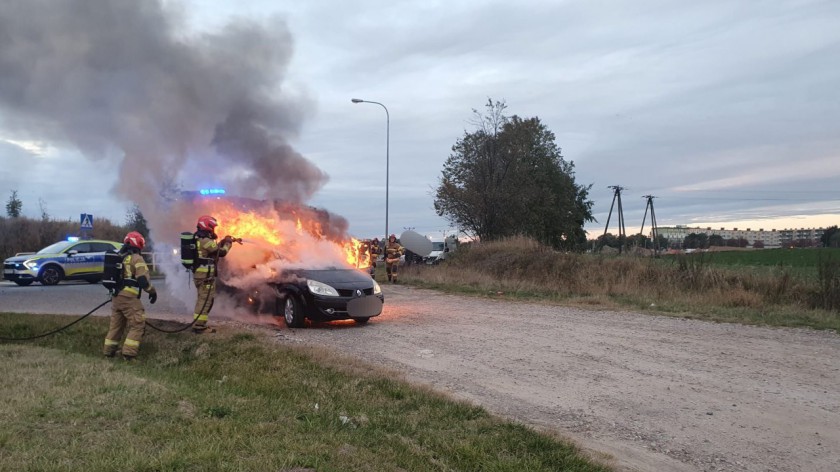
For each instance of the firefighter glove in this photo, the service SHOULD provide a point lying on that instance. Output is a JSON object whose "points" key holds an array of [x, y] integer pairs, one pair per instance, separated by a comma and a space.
{"points": [[153, 296]]}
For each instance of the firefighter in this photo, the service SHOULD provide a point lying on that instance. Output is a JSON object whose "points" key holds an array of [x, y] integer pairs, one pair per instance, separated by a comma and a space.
{"points": [[209, 252], [126, 307], [375, 251], [393, 251], [363, 253]]}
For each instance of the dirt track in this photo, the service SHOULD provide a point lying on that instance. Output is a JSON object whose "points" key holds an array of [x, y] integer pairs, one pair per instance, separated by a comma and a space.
{"points": [[651, 393]]}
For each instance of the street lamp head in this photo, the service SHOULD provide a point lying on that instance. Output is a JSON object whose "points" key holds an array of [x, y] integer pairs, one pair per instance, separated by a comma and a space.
{"points": [[356, 100]]}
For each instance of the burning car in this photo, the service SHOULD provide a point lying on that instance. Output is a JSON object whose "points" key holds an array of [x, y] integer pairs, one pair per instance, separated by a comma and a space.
{"points": [[320, 295], [296, 262]]}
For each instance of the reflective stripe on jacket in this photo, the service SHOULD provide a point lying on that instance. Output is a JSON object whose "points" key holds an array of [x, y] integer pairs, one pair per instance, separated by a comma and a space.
{"points": [[134, 267]]}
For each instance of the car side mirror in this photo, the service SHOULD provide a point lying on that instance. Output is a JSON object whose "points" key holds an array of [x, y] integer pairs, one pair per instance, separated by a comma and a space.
{"points": [[72, 253]]}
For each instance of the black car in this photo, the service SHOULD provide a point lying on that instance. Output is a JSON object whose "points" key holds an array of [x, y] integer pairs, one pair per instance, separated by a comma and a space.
{"points": [[321, 295]]}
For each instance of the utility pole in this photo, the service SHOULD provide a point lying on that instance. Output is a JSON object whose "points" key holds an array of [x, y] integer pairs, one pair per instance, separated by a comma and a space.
{"points": [[622, 234], [654, 232]]}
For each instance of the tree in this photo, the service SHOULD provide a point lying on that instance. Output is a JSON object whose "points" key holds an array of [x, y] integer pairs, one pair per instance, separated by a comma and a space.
{"points": [[14, 205], [662, 242], [758, 244], [639, 240], [716, 240], [135, 221], [608, 239], [831, 237], [508, 177], [696, 241], [42, 205]]}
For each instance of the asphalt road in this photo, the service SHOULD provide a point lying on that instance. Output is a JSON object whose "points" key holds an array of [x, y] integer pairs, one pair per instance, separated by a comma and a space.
{"points": [[71, 298]]}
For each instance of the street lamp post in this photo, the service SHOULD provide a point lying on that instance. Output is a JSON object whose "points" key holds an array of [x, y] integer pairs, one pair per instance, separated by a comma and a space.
{"points": [[387, 155]]}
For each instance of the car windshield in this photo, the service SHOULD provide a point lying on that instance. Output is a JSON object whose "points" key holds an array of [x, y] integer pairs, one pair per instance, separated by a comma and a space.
{"points": [[437, 246], [55, 248]]}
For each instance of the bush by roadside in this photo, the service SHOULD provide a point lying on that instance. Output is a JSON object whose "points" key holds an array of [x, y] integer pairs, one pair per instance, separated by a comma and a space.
{"points": [[24, 234]]}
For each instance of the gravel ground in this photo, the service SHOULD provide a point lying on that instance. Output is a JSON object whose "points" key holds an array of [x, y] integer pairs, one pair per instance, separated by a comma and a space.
{"points": [[640, 392]]}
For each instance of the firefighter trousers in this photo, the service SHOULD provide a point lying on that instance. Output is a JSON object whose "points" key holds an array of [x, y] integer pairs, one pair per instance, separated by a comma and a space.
{"points": [[391, 267], [126, 312], [206, 288]]}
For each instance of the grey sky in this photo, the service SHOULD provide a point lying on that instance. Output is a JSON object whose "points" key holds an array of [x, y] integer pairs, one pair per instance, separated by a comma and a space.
{"points": [[726, 111]]}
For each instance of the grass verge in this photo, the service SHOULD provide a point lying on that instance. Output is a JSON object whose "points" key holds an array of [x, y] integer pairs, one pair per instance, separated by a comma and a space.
{"points": [[693, 286], [236, 401]]}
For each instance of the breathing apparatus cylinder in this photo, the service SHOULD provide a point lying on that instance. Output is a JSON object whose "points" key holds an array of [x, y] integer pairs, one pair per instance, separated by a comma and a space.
{"points": [[112, 275], [189, 250]]}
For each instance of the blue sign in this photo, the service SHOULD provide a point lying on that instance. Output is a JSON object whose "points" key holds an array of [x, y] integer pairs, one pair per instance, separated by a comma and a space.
{"points": [[86, 221], [212, 191]]}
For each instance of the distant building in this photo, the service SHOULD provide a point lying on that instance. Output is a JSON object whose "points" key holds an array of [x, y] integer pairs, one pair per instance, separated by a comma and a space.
{"points": [[771, 238]]}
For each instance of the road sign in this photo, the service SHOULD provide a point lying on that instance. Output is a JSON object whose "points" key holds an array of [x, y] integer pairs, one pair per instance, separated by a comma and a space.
{"points": [[86, 221]]}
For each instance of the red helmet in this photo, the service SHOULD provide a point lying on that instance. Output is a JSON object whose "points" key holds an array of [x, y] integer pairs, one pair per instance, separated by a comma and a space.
{"points": [[135, 240], [207, 223], [393, 236]]}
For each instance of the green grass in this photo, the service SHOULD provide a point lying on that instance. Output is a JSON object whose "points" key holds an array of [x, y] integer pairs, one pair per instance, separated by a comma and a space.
{"points": [[801, 257], [236, 401]]}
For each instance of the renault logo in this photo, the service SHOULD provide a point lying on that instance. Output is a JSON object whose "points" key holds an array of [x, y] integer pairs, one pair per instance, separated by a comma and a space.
{"points": [[358, 293]]}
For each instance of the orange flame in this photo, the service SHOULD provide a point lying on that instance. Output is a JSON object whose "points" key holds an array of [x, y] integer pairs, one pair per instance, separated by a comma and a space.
{"points": [[271, 230], [251, 226]]}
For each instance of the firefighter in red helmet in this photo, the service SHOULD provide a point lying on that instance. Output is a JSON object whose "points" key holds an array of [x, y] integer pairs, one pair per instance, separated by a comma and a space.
{"points": [[393, 251], [375, 251], [209, 252], [126, 308]]}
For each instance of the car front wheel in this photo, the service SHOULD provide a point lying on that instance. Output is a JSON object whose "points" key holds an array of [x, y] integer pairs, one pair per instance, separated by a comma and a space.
{"points": [[51, 275], [361, 320], [292, 312]]}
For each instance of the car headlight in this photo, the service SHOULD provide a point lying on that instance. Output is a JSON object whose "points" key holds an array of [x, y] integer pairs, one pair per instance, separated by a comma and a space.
{"points": [[320, 288], [376, 288], [31, 264]]}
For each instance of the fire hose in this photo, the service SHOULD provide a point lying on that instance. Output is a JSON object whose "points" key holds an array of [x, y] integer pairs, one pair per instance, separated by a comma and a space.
{"points": [[59, 329], [184, 328], [206, 299], [203, 306]]}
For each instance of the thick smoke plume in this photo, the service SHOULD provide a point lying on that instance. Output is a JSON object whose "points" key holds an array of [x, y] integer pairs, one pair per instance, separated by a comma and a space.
{"points": [[126, 80], [129, 81]]}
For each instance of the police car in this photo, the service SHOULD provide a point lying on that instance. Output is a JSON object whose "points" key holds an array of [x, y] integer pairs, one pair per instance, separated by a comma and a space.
{"points": [[64, 260]]}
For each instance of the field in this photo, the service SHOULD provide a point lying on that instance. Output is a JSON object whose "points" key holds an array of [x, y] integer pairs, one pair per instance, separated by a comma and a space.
{"points": [[799, 287], [804, 261], [238, 402]]}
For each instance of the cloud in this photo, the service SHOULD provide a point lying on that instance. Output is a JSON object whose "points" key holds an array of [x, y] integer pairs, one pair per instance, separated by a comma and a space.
{"points": [[655, 96]]}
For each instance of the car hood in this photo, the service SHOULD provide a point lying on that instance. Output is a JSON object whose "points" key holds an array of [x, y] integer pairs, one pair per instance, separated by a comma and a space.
{"points": [[335, 276], [15, 259]]}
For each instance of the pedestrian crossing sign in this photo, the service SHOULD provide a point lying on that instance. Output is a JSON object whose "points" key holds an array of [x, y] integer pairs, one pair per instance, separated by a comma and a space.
{"points": [[87, 221]]}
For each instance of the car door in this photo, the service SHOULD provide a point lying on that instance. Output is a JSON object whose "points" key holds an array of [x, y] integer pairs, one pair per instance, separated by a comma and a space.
{"points": [[97, 255], [78, 261]]}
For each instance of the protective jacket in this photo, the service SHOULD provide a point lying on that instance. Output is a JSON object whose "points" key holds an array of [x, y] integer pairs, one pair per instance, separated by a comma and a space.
{"points": [[209, 252], [393, 251], [127, 310], [135, 276]]}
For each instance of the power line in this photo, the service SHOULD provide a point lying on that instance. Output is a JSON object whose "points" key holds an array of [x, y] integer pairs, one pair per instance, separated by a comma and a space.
{"points": [[654, 228], [622, 234]]}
